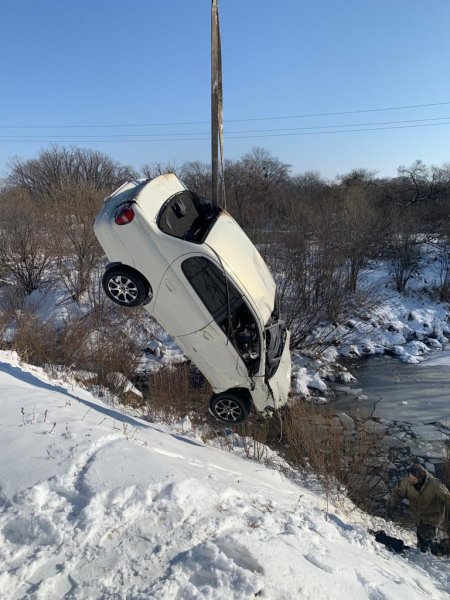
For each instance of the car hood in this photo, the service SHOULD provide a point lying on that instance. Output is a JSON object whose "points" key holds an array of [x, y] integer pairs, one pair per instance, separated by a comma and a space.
{"points": [[240, 256]]}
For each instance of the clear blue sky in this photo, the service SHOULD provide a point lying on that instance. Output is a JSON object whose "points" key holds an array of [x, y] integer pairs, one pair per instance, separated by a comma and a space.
{"points": [[122, 62]]}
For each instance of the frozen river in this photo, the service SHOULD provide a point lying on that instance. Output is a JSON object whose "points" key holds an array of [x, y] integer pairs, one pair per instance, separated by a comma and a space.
{"points": [[413, 401], [390, 389]]}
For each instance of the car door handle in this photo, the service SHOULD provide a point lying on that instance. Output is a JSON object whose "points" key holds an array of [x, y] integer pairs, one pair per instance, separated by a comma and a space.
{"points": [[207, 336], [169, 286]]}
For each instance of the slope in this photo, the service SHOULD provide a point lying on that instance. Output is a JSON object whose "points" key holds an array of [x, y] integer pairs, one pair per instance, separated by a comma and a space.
{"points": [[95, 503]]}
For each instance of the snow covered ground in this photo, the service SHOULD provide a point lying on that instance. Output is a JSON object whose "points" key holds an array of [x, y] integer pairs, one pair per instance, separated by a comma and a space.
{"points": [[410, 326], [96, 503]]}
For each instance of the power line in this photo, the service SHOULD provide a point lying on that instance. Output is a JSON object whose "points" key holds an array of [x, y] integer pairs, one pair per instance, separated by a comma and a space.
{"points": [[345, 112], [339, 131], [270, 118], [342, 125], [312, 127], [230, 137]]}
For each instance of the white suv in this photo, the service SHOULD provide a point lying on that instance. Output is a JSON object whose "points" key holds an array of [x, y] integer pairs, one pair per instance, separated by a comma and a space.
{"points": [[194, 269]]}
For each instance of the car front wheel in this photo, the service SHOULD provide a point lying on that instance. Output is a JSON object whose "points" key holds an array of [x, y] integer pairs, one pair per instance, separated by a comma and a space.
{"points": [[229, 407], [125, 287]]}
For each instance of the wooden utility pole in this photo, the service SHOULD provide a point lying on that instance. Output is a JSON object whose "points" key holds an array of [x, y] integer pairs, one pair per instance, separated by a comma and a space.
{"points": [[218, 192]]}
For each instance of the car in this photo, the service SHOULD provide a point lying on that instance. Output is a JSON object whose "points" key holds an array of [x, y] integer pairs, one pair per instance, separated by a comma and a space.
{"points": [[192, 267]]}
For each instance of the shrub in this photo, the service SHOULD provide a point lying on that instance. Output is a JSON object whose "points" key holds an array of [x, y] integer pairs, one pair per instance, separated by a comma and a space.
{"points": [[178, 391], [27, 246], [348, 456], [34, 341], [107, 351]]}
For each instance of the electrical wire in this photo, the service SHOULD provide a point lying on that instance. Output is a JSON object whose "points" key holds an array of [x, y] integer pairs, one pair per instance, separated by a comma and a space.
{"points": [[312, 127], [270, 118], [228, 137]]}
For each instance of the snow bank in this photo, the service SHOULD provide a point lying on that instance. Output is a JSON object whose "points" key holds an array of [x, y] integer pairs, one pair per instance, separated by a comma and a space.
{"points": [[95, 503]]}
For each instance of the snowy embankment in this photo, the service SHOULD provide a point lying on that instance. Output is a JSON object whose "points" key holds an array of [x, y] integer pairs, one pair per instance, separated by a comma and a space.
{"points": [[95, 503], [408, 325]]}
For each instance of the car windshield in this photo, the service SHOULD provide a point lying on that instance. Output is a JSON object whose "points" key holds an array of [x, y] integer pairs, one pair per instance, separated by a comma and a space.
{"points": [[187, 216]]}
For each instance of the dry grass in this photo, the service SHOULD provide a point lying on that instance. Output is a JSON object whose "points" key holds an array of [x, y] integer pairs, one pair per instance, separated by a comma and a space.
{"points": [[342, 456], [178, 391], [106, 352], [34, 341]]}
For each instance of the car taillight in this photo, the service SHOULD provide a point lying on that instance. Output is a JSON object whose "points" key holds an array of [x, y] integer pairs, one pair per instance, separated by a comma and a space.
{"points": [[124, 214]]}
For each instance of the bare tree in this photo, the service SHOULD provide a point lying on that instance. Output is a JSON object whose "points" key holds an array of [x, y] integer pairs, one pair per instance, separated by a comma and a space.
{"points": [[239, 188], [362, 227], [416, 184], [254, 185], [152, 170], [422, 183], [358, 177], [442, 248], [78, 251], [57, 166], [311, 273], [27, 246], [197, 177], [265, 168], [404, 249]]}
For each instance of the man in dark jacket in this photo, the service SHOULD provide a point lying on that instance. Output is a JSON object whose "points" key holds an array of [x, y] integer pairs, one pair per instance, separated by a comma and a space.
{"points": [[429, 503]]}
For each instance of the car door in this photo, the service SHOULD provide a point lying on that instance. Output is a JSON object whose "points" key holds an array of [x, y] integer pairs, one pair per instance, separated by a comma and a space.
{"points": [[215, 356], [212, 346], [177, 306]]}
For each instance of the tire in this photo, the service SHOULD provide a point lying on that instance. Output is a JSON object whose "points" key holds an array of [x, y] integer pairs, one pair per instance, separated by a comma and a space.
{"points": [[230, 407], [125, 287]]}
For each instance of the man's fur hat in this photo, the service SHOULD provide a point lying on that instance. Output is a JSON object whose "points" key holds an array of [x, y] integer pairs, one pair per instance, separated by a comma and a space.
{"points": [[418, 471]]}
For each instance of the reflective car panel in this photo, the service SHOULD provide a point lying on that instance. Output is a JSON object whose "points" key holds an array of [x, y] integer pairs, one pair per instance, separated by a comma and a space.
{"points": [[241, 257]]}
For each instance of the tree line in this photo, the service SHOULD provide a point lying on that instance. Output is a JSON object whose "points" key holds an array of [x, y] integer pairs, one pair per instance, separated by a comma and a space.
{"points": [[317, 235]]}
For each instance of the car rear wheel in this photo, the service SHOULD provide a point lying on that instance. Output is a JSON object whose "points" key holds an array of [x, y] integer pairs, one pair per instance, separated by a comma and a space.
{"points": [[125, 287], [229, 407]]}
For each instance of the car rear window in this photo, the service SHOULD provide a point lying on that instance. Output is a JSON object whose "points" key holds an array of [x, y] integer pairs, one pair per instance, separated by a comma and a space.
{"points": [[187, 216]]}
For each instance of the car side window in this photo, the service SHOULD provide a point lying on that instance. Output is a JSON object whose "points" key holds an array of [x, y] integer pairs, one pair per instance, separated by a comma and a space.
{"points": [[227, 307], [187, 216], [215, 291]]}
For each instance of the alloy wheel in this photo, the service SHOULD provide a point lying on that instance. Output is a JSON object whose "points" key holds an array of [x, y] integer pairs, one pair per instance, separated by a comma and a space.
{"points": [[123, 289], [228, 409]]}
